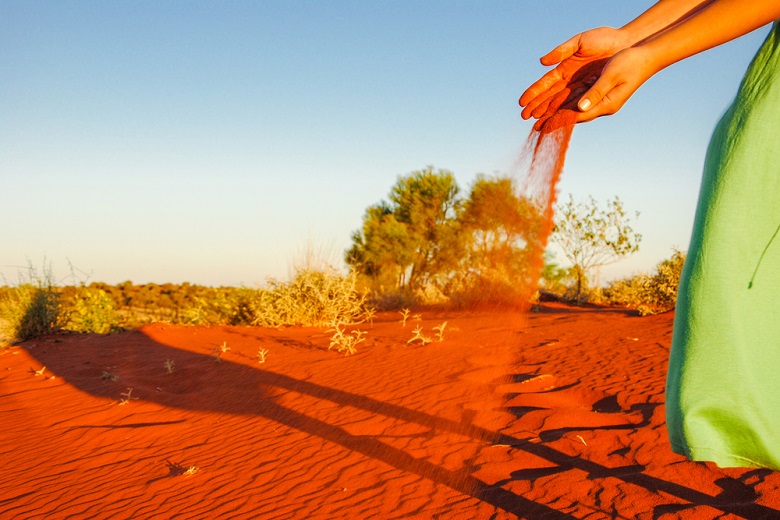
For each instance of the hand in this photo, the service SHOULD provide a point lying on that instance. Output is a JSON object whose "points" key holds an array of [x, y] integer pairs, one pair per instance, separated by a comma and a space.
{"points": [[619, 79], [571, 56]]}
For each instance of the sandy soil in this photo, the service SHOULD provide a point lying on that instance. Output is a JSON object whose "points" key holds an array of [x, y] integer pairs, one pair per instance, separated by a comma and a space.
{"points": [[558, 414]]}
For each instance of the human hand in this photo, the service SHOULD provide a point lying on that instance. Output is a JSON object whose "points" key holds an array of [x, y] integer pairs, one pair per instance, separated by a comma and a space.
{"points": [[620, 77], [577, 63]]}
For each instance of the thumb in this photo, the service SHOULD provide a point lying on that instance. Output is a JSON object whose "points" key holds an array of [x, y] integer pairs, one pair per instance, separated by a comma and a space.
{"points": [[595, 94], [562, 51]]}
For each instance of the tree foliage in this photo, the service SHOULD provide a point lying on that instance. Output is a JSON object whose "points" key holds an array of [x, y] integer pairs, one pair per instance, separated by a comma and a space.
{"points": [[406, 242], [591, 237], [428, 240], [497, 226]]}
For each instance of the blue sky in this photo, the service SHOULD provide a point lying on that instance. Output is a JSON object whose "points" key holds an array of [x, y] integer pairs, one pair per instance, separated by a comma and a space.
{"points": [[213, 142]]}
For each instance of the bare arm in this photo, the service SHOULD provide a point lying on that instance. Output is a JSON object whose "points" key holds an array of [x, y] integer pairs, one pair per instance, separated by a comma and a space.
{"points": [[662, 15], [600, 44], [718, 22], [715, 23]]}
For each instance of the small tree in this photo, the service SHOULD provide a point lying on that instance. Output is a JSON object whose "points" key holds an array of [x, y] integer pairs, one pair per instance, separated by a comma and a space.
{"points": [[409, 239], [591, 237], [497, 225]]}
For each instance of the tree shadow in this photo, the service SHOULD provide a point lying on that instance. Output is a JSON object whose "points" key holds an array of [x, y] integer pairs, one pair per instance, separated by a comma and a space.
{"points": [[253, 391]]}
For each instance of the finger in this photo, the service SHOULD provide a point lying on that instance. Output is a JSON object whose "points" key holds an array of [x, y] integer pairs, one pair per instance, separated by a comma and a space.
{"points": [[610, 103], [594, 113], [552, 104], [595, 94], [541, 108], [540, 86], [544, 98], [562, 51]]}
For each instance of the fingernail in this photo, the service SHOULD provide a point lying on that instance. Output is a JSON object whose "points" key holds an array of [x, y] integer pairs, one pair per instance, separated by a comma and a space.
{"points": [[584, 104]]}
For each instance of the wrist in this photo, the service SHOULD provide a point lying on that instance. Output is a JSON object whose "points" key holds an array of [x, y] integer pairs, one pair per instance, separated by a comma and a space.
{"points": [[626, 37], [647, 60]]}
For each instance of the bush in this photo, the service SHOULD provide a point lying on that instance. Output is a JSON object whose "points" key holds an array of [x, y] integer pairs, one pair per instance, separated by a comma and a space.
{"points": [[649, 294], [27, 311], [392, 300], [315, 297], [220, 306], [492, 292], [90, 310]]}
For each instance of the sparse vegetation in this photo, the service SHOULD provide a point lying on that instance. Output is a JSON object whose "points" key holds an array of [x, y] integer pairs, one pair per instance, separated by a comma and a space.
{"points": [[315, 298], [417, 335], [343, 342], [649, 294], [591, 237], [428, 245], [440, 331], [126, 397], [29, 309], [108, 376], [369, 313], [89, 309], [222, 349]]}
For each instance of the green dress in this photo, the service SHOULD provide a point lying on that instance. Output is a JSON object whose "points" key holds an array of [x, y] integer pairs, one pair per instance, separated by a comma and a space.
{"points": [[723, 385]]}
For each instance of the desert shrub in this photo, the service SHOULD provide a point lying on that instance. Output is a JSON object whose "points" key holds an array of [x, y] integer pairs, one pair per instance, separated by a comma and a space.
{"points": [[490, 291], [27, 311], [430, 294], [627, 291], [314, 297], [219, 306], [343, 342], [663, 286], [649, 293], [588, 294], [89, 309], [186, 304], [555, 279], [392, 300]]}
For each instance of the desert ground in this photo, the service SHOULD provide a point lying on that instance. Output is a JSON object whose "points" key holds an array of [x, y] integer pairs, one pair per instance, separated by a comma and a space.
{"points": [[555, 414]]}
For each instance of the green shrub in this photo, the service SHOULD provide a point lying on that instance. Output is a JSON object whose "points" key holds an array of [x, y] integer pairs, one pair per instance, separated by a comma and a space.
{"points": [[315, 297], [649, 294], [219, 306], [664, 285], [27, 311], [89, 309]]}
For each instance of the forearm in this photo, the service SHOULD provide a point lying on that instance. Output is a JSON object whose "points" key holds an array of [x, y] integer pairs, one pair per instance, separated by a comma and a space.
{"points": [[661, 16], [715, 23]]}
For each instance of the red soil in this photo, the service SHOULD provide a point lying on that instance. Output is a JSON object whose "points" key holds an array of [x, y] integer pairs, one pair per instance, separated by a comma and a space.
{"points": [[557, 415]]}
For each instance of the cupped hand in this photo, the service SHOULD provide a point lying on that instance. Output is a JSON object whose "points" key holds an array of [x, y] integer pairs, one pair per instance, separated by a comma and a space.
{"points": [[572, 56], [620, 77]]}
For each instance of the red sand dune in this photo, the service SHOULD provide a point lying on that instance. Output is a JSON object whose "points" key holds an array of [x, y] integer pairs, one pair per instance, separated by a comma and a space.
{"points": [[557, 415]]}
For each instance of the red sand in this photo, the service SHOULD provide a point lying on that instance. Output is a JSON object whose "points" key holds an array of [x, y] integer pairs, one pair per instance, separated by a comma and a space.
{"points": [[395, 431]]}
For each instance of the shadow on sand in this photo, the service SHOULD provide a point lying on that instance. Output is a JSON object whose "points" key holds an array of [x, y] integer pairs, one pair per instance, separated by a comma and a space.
{"points": [[249, 390]]}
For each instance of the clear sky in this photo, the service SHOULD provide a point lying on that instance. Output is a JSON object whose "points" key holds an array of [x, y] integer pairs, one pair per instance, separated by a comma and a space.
{"points": [[210, 142]]}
